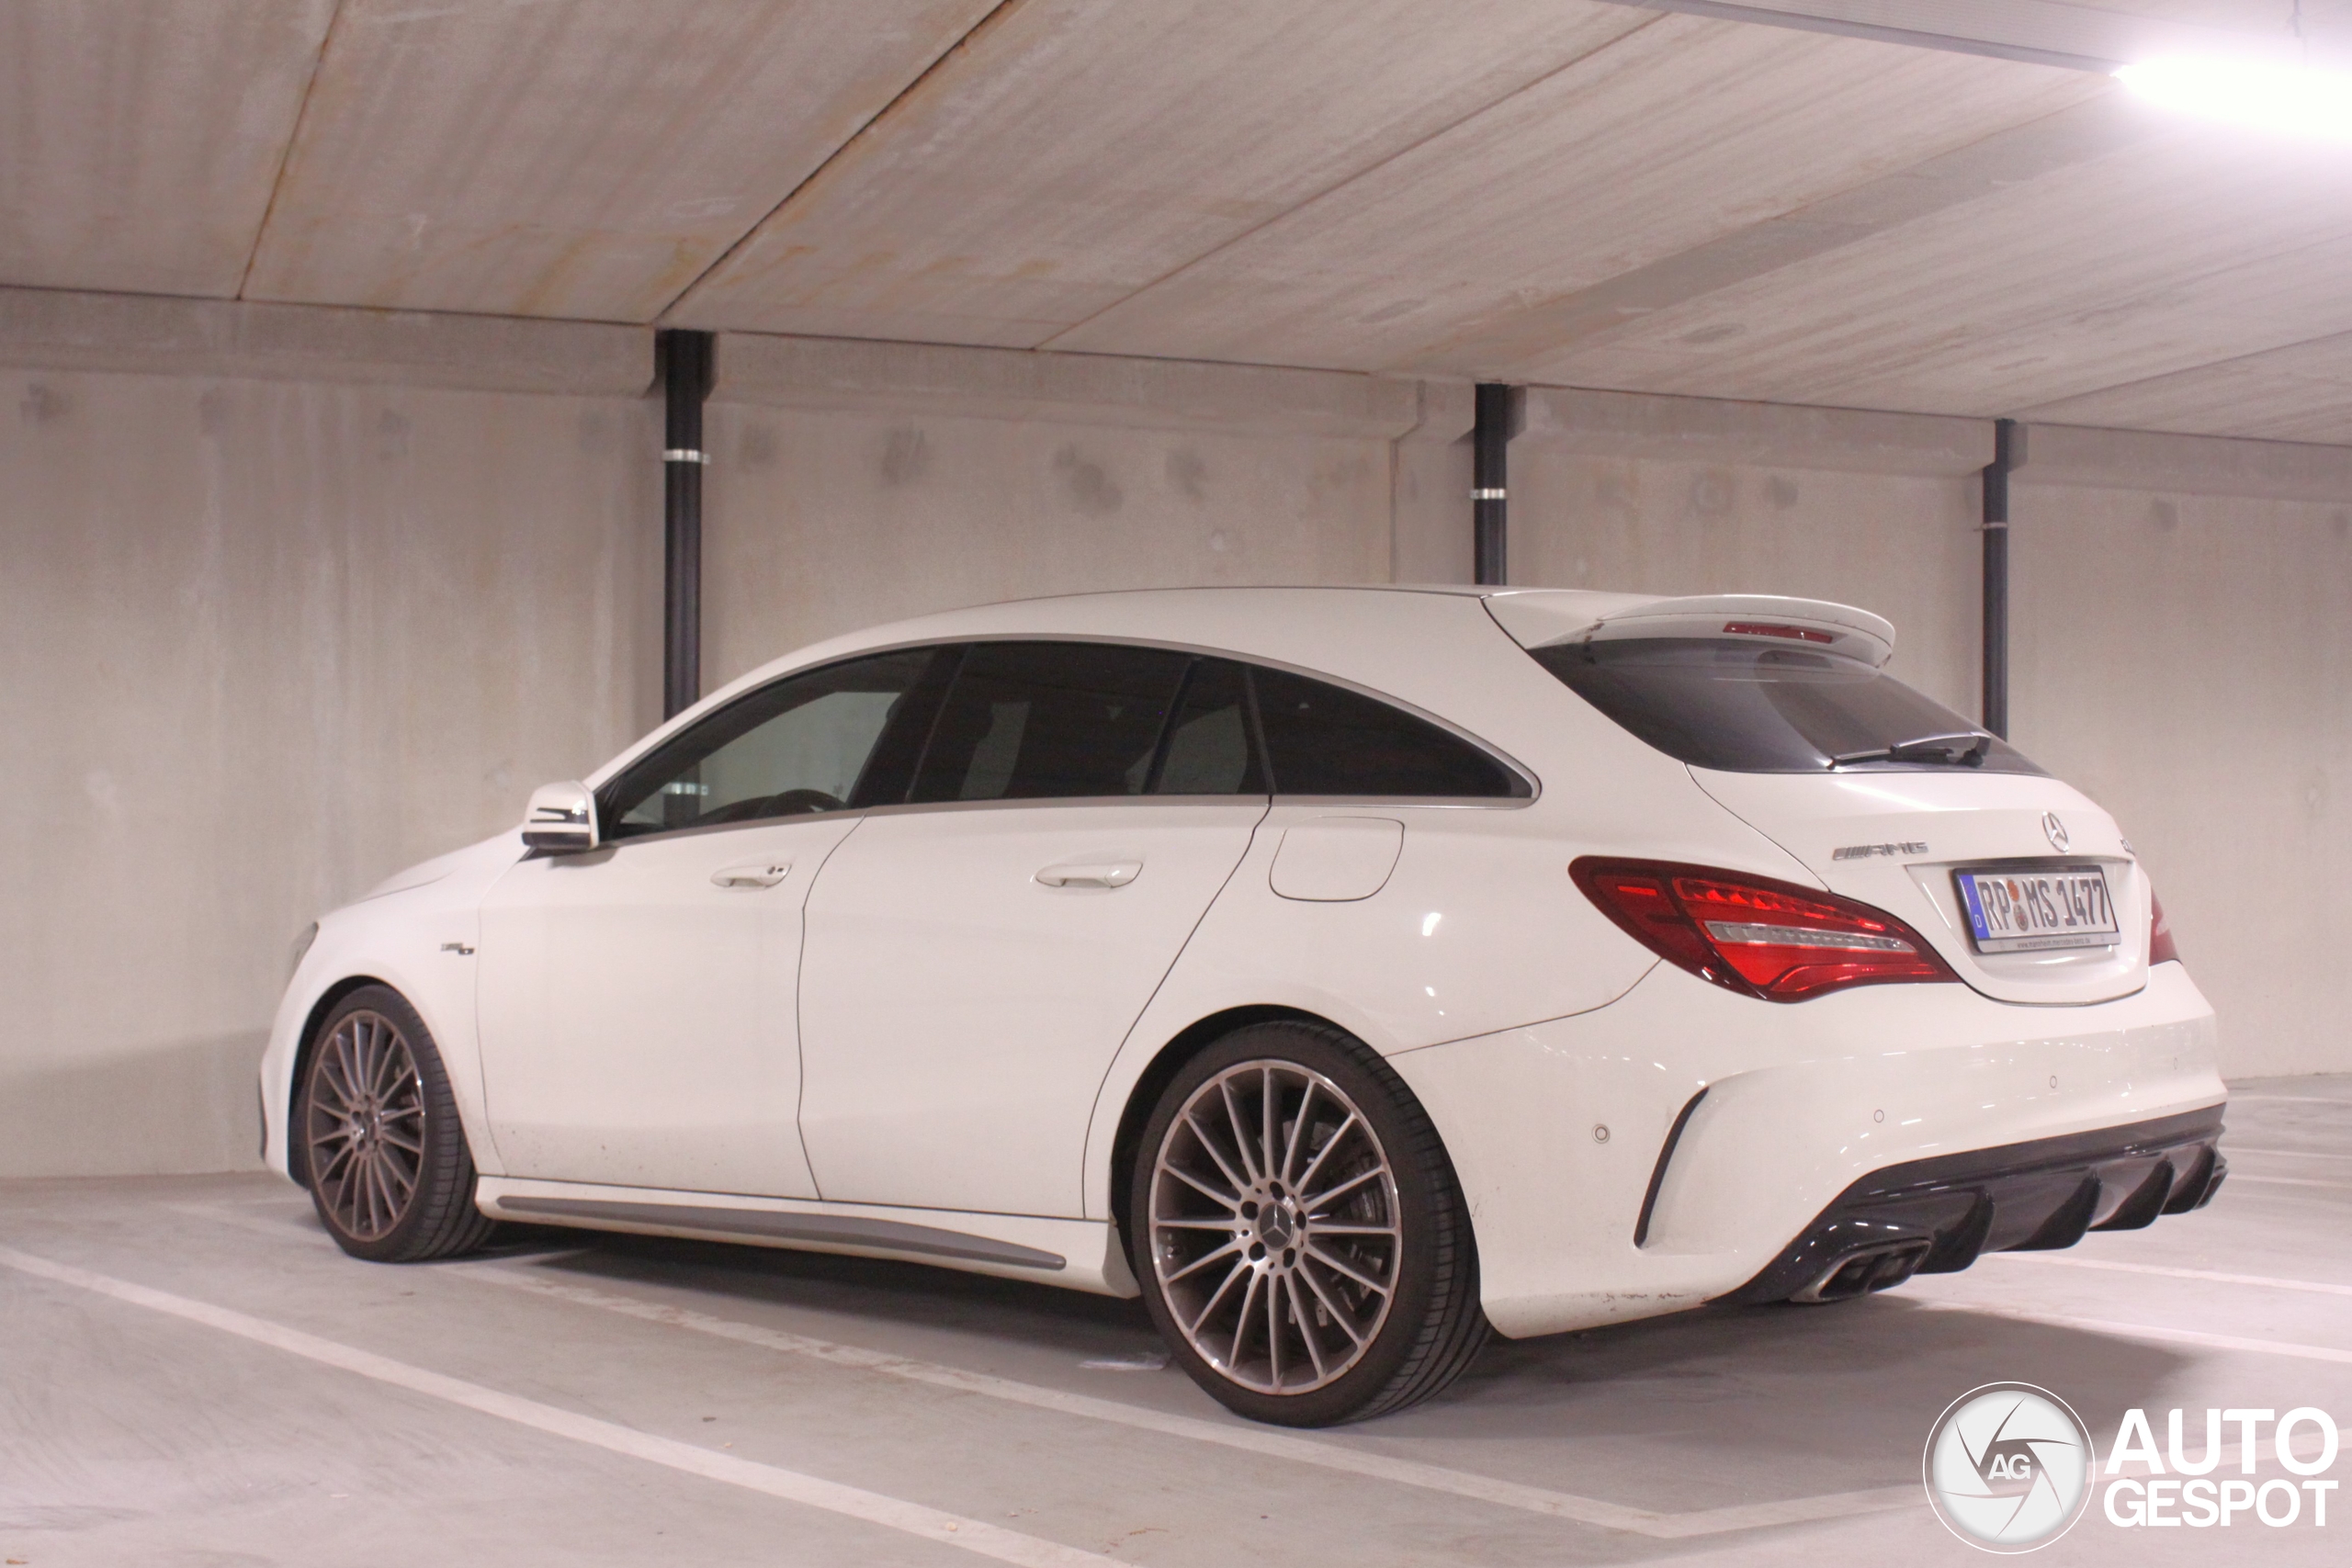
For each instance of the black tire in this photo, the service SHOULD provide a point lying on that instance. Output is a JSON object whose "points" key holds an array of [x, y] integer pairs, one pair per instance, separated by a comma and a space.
{"points": [[1328, 1348], [381, 1147]]}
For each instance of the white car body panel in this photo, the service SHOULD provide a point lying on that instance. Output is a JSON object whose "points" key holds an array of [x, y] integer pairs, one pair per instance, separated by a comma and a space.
{"points": [[971, 1038], [1972, 819], [1466, 935], [1336, 858], [958, 1011], [413, 932], [638, 1018]]}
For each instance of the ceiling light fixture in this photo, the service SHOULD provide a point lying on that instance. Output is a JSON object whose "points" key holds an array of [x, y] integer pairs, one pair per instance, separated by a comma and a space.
{"points": [[2286, 100]]}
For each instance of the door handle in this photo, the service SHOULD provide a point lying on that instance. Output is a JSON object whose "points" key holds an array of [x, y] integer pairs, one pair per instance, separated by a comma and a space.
{"points": [[759, 874], [1091, 873]]}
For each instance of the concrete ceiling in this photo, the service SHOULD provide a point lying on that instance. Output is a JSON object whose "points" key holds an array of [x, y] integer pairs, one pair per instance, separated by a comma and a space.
{"points": [[1563, 191]]}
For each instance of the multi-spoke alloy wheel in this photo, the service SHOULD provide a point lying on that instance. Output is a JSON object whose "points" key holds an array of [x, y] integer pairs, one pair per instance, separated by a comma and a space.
{"points": [[1299, 1234], [367, 1125], [1274, 1230], [376, 1137]]}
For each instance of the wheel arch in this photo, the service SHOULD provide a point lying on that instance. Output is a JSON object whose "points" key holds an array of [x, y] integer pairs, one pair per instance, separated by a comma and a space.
{"points": [[1161, 1070], [298, 1159]]}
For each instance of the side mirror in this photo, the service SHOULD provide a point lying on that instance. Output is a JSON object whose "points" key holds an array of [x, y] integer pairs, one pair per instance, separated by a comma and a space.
{"points": [[562, 818]]}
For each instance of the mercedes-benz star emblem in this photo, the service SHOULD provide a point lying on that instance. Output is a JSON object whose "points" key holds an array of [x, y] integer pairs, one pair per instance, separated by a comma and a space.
{"points": [[2055, 830]]}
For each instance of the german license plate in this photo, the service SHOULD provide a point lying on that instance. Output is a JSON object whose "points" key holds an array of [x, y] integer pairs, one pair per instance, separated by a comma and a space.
{"points": [[2022, 911]]}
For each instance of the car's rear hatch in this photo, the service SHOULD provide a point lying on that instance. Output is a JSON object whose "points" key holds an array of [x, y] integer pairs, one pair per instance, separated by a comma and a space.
{"points": [[1777, 705], [1903, 842]]}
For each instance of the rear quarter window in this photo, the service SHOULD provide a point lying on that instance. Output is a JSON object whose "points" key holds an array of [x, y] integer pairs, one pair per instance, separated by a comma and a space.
{"points": [[1324, 740]]}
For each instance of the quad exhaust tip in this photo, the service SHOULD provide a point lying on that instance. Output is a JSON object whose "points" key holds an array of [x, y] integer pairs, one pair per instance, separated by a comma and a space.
{"points": [[1860, 1273]]}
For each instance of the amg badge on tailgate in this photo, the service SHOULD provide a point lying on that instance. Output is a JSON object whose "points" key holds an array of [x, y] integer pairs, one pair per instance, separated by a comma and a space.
{"points": [[1865, 852]]}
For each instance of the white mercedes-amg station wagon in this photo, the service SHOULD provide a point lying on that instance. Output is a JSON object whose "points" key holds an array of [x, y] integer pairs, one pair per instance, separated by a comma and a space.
{"points": [[1344, 970]]}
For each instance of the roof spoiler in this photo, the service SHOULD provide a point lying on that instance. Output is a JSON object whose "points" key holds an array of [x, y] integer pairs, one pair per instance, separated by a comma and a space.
{"points": [[1765, 618]]}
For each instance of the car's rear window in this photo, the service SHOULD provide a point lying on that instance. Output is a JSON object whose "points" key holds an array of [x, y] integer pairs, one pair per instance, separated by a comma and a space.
{"points": [[1750, 708]]}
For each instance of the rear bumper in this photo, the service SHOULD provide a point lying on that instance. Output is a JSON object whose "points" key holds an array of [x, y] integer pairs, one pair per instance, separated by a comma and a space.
{"points": [[1935, 1216], [1559, 1132]]}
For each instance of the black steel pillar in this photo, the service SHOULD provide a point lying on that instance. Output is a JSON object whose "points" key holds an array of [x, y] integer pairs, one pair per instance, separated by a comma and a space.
{"points": [[2009, 454], [1489, 482], [684, 361]]}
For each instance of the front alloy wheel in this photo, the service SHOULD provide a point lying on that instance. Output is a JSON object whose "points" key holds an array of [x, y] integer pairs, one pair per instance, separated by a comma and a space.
{"points": [[378, 1138], [366, 1125], [1304, 1246]]}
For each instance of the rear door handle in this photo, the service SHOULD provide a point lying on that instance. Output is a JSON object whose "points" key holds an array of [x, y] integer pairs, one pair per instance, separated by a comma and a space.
{"points": [[1091, 873], [759, 874]]}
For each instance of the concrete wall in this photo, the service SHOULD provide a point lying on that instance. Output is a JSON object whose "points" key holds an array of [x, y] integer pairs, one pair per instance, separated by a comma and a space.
{"points": [[2180, 649], [263, 642], [333, 589], [854, 483], [1666, 495]]}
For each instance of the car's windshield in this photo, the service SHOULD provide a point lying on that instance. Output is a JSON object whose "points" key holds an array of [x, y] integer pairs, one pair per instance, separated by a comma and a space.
{"points": [[1751, 708]]}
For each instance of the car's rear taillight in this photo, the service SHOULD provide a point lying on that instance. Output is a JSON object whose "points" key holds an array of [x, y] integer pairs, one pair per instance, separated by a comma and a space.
{"points": [[2160, 949], [1753, 935]]}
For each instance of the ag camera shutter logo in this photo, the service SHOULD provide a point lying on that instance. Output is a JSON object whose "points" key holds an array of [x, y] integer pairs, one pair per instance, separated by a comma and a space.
{"points": [[2008, 1467]]}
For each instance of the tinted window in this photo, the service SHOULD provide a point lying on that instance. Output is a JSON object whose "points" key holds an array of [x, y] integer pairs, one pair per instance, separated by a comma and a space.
{"points": [[799, 745], [1751, 709], [1042, 721], [1208, 749], [1321, 739]]}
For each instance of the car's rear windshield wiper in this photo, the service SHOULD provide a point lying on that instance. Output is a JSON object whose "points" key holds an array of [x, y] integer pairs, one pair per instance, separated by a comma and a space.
{"points": [[1962, 748]]}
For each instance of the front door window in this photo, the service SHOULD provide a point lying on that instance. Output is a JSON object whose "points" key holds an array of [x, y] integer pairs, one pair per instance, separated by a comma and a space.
{"points": [[797, 747]]}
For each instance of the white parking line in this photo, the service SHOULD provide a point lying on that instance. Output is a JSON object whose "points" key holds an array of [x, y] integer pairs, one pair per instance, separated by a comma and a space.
{"points": [[1789, 1511], [2289, 1099], [2237, 1176], [2236, 1149], [2267, 1281], [2148, 1331], [1250, 1439], [949, 1530], [1409, 1473]]}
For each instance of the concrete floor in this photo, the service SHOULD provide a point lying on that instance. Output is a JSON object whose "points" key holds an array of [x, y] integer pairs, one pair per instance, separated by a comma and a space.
{"points": [[190, 1373]]}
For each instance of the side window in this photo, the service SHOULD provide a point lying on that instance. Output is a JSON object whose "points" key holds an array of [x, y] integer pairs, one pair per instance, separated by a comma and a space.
{"points": [[1208, 749], [1323, 740], [1045, 720], [798, 745]]}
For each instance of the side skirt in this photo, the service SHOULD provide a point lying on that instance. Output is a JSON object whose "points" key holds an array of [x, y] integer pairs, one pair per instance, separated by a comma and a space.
{"points": [[1080, 1255]]}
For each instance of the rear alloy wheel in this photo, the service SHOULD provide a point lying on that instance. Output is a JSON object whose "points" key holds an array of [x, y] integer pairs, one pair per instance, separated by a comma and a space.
{"points": [[1306, 1250], [383, 1152]]}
